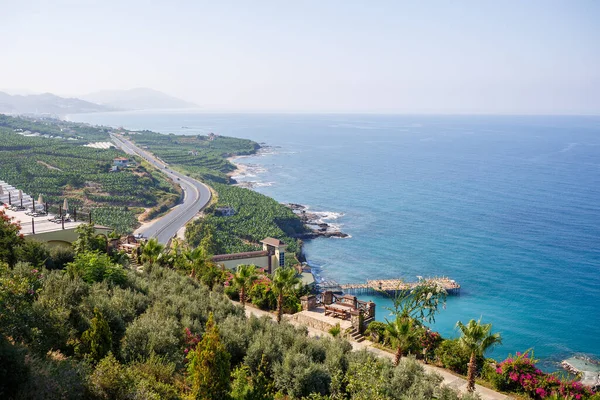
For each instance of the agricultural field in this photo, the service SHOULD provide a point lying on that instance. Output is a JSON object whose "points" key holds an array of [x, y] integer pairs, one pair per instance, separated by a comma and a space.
{"points": [[201, 157], [256, 217], [122, 219], [55, 128], [61, 168]]}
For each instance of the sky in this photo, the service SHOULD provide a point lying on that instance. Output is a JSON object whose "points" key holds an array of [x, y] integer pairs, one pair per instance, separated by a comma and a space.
{"points": [[454, 57]]}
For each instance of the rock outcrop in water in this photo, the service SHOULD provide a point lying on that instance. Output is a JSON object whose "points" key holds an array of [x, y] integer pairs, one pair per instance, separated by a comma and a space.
{"points": [[314, 221]]}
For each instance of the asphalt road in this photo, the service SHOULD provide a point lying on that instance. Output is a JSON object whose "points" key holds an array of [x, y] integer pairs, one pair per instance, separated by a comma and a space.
{"points": [[196, 196]]}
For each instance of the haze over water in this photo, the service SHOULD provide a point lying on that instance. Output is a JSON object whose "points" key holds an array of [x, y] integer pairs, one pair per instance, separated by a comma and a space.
{"points": [[507, 206]]}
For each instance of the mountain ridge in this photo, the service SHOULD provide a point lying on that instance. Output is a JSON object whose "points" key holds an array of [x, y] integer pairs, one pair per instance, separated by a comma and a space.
{"points": [[137, 99], [47, 103]]}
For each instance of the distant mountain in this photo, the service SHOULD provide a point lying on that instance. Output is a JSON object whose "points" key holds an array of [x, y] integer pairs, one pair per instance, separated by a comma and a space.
{"points": [[46, 103], [137, 99]]}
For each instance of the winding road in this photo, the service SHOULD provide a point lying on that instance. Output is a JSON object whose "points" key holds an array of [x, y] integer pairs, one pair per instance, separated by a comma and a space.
{"points": [[196, 195]]}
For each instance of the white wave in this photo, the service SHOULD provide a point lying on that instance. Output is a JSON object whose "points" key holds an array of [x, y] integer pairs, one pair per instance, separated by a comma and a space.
{"points": [[264, 184], [328, 215], [568, 147]]}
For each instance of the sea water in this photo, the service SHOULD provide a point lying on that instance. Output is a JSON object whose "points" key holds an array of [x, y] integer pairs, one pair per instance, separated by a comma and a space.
{"points": [[508, 206]]}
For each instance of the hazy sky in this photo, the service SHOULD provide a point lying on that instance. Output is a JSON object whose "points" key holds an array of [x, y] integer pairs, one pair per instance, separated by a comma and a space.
{"points": [[329, 56]]}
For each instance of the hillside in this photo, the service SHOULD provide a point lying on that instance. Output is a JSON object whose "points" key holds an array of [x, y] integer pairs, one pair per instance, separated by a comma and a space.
{"points": [[46, 103], [137, 99]]}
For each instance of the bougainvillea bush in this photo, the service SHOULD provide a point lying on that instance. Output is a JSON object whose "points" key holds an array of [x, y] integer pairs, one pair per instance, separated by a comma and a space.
{"points": [[519, 374]]}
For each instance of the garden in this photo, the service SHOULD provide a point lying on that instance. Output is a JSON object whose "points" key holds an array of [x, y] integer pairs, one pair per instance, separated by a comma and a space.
{"points": [[407, 334]]}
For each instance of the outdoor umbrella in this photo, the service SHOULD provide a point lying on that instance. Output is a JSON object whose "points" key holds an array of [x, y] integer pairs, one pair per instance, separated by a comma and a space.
{"points": [[65, 205], [40, 201]]}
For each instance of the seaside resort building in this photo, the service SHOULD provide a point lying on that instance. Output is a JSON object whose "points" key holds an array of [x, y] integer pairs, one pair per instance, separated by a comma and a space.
{"points": [[270, 257]]}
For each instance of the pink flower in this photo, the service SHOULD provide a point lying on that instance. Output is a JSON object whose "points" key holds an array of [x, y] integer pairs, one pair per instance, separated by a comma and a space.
{"points": [[498, 370], [513, 376]]}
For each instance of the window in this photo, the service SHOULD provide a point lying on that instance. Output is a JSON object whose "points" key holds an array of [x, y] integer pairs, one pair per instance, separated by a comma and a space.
{"points": [[281, 258]]}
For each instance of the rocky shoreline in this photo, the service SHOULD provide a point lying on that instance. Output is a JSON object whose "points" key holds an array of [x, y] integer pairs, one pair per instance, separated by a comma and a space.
{"points": [[588, 370], [314, 222]]}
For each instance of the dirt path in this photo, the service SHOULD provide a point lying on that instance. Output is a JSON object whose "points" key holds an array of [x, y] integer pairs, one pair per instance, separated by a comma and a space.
{"points": [[48, 166]]}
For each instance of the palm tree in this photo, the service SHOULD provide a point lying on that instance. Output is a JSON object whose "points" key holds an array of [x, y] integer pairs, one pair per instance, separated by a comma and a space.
{"points": [[243, 279], [196, 260], [152, 251], [477, 339], [284, 281], [402, 331]]}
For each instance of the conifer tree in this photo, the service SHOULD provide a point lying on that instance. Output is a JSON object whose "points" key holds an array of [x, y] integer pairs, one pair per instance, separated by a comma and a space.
{"points": [[208, 366], [96, 342]]}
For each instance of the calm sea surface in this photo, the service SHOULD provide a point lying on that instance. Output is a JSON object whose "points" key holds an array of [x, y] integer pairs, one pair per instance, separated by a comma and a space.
{"points": [[507, 206]]}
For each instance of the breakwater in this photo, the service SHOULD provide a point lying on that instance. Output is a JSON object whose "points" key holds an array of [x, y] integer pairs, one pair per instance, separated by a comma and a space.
{"points": [[389, 286]]}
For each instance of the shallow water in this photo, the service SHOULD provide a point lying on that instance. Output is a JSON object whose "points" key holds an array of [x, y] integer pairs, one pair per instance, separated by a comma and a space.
{"points": [[507, 206]]}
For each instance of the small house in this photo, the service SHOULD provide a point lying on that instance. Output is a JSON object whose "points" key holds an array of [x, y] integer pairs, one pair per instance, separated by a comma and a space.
{"points": [[120, 162]]}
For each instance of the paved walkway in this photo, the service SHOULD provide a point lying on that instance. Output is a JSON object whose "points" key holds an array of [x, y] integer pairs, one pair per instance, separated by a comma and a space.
{"points": [[451, 380]]}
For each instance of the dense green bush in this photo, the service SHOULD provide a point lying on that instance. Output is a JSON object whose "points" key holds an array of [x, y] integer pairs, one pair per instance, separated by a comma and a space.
{"points": [[60, 257], [263, 297], [376, 331], [13, 372], [96, 267], [452, 356]]}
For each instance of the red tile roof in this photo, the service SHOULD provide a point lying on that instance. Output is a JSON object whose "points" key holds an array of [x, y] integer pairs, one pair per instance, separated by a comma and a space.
{"points": [[272, 242]]}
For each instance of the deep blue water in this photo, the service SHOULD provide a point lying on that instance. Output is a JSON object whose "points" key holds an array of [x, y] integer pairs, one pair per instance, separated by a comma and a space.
{"points": [[507, 206]]}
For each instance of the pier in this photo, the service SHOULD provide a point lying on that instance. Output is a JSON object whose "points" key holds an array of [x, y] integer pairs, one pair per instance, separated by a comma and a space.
{"points": [[389, 286]]}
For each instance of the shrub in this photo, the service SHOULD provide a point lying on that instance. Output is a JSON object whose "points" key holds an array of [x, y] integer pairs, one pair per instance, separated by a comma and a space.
{"points": [[232, 293], [54, 377], [519, 374], [96, 342], [430, 341], [336, 330], [153, 333], [60, 257], [13, 371], [34, 253], [452, 356], [263, 297], [96, 267], [110, 379], [299, 376], [376, 331]]}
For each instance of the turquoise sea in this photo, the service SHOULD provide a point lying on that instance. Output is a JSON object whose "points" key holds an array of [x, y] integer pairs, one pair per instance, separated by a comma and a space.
{"points": [[509, 206]]}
